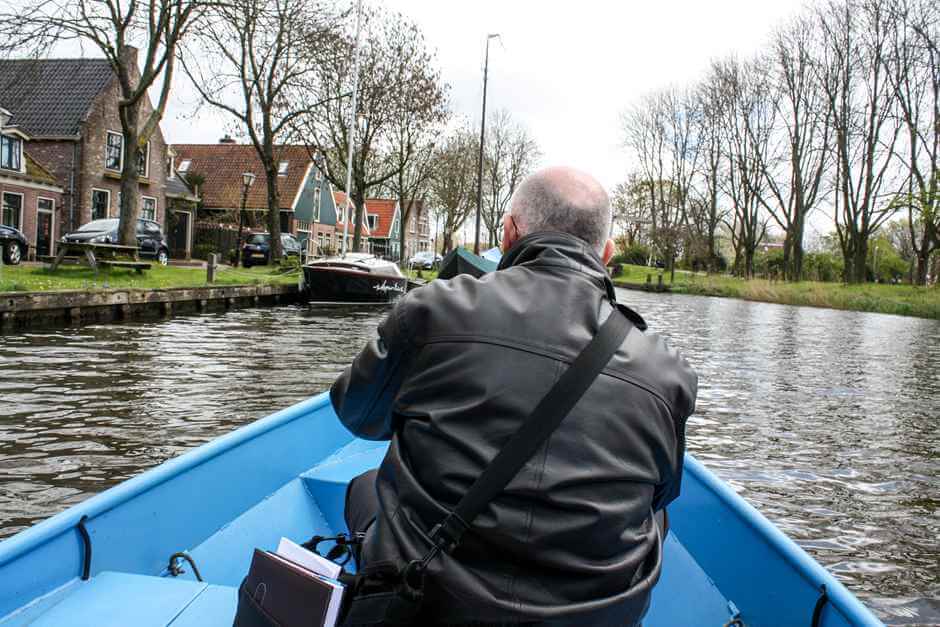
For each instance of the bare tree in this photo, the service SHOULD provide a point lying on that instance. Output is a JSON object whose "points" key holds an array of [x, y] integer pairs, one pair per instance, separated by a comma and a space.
{"points": [[453, 181], [795, 181], [631, 208], [707, 212], [396, 77], [416, 122], [246, 61], [913, 70], [865, 125], [748, 125], [117, 30], [510, 154]]}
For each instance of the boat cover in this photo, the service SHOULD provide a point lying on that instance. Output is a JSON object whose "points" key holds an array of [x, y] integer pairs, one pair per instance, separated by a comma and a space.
{"points": [[462, 261]]}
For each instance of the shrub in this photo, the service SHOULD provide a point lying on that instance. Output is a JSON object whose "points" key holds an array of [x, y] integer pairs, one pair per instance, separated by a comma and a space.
{"points": [[637, 254], [202, 251], [823, 266]]}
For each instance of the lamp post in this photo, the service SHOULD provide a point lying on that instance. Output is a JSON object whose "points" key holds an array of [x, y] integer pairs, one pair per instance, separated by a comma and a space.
{"points": [[248, 178], [486, 67]]}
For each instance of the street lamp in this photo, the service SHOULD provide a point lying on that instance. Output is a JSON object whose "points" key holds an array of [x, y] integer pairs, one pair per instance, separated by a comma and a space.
{"points": [[248, 178], [486, 67]]}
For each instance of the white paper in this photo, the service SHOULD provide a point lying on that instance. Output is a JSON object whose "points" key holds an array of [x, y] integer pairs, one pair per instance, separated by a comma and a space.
{"points": [[308, 559]]}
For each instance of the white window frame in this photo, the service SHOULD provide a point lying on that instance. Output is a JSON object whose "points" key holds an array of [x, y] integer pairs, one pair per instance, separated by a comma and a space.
{"points": [[372, 220], [282, 168], [22, 159], [22, 208], [107, 146], [91, 205], [185, 164], [146, 173], [142, 199], [52, 237]]}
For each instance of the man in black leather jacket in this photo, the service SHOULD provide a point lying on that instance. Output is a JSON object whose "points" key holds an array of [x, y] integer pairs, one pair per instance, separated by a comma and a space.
{"points": [[456, 369]]}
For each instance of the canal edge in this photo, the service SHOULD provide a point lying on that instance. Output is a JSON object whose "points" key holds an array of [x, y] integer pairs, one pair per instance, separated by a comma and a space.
{"points": [[24, 310]]}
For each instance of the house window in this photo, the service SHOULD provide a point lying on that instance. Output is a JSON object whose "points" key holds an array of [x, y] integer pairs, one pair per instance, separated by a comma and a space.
{"points": [[11, 153], [148, 208], [100, 203], [184, 165], [282, 168], [143, 162], [373, 222], [114, 152], [12, 211]]}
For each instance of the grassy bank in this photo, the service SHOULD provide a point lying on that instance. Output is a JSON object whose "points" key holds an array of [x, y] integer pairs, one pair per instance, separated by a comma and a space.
{"points": [[36, 278], [902, 300]]}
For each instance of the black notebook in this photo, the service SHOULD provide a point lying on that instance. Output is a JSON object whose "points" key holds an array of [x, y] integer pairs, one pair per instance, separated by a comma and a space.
{"points": [[291, 594]]}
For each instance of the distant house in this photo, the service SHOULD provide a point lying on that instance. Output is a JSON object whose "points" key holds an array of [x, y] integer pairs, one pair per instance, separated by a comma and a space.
{"points": [[306, 200], [350, 232], [30, 197], [68, 110], [384, 217]]}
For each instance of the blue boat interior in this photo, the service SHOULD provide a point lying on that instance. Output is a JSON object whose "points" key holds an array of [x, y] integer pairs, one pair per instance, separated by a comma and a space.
{"points": [[286, 476]]}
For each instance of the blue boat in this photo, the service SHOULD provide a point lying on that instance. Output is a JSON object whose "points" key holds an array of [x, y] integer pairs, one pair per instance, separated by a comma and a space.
{"points": [[107, 560]]}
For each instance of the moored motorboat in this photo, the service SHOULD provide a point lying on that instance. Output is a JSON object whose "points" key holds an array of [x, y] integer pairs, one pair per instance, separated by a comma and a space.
{"points": [[353, 278], [107, 561]]}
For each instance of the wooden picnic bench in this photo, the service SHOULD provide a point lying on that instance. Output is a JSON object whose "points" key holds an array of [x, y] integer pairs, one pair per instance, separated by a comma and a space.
{"points": [[105, 255]]}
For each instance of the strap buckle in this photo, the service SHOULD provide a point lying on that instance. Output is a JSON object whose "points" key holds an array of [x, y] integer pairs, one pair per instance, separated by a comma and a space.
{"points": [[446, 534]]}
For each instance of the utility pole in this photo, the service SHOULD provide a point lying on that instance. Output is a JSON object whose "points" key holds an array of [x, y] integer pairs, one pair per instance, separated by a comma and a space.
{"points": [[486, 67], [351, 133]]}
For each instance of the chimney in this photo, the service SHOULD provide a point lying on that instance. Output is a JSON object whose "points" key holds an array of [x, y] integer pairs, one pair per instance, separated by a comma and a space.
{"points": [[4, 117], [129, 56], [228, 139]]}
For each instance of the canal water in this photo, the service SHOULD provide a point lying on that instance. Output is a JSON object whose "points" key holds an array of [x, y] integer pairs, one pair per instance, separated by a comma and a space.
{"points": [[826, 421]]}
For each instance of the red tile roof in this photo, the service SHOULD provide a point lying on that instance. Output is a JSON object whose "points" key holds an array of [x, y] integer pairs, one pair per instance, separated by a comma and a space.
{"points": [[384, 209], [224, 164], [339, 198]]}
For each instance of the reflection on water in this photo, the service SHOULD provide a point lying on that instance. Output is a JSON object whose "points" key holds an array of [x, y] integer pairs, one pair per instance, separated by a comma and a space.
{"points": [[826, 421]]}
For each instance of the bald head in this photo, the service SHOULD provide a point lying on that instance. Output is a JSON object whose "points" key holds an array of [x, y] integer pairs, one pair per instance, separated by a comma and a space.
{"points": [[564, 200]]}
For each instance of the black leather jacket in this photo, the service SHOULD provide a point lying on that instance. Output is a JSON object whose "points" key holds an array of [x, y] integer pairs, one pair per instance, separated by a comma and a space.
{"points": [[457, 367]]}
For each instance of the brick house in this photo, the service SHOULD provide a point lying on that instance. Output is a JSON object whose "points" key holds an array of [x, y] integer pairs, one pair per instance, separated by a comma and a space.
{"points": [[30, 197], [69, 110], [364, 232]]}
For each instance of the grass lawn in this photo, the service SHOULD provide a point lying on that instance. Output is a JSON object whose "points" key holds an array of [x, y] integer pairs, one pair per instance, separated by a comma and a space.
{"points": [[36, 278], [427, 275], [903, 300]]}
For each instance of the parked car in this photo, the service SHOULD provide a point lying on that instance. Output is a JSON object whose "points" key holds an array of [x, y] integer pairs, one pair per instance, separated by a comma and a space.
{"points": [[257, 249], [426, 260], [13, 245], [150, 240]]}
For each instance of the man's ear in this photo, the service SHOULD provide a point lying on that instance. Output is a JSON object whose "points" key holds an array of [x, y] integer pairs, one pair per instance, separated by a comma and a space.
{"points": [[608, 253], [510, 235]]}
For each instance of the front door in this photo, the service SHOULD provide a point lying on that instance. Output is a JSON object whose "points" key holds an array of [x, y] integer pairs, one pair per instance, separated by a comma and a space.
{"points": [[179, 234], [44, 234]]}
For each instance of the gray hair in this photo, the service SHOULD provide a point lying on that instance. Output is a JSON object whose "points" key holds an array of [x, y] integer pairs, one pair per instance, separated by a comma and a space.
{"points": [[565, 200]]}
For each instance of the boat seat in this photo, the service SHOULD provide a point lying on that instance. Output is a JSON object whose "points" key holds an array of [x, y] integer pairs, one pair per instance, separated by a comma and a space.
{"points": [[120, 599]]}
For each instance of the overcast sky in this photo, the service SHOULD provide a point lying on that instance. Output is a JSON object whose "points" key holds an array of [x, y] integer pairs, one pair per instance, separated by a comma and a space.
{"points": [[564, 69]]}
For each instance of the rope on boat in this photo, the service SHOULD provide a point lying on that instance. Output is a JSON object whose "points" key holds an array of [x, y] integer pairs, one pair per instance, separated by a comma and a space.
{"points": [[820, 604], [175, 569], [86, 542]]}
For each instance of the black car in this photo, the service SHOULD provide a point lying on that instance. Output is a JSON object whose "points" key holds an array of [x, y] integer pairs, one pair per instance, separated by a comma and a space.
{"points": [[257, 250], [13, 245], [150, 240]]}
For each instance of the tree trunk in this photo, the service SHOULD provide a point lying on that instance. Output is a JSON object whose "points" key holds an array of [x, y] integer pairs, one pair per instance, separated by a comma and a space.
{"points": [[447, 243], [130, 187], [859, 267], [402, 237], [356, 227], [274, 215]]}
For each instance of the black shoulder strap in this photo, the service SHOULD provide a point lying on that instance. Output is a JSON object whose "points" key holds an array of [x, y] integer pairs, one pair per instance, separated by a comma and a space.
{"points": [[544, 419]]}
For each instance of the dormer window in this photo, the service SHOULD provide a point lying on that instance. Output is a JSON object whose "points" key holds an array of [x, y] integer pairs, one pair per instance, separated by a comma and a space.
{"points": [[282, 168], [184, 166], [373, 221], [114, 152], [11, 153]]}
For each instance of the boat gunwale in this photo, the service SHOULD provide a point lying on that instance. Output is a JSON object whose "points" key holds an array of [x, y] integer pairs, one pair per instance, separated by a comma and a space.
{"points": [[66, 521], [354, 272], [846, 603]]}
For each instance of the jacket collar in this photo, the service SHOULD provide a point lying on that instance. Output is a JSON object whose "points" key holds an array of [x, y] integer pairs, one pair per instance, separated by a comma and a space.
{"points": [[549, 248]]}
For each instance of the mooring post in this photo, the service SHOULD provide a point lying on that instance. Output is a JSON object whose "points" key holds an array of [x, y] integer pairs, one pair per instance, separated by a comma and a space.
{"points": [[210, 267], [659, 285]]}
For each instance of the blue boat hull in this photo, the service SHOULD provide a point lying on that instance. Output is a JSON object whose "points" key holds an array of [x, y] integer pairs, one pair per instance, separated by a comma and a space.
{"points": [[286, 474]]}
